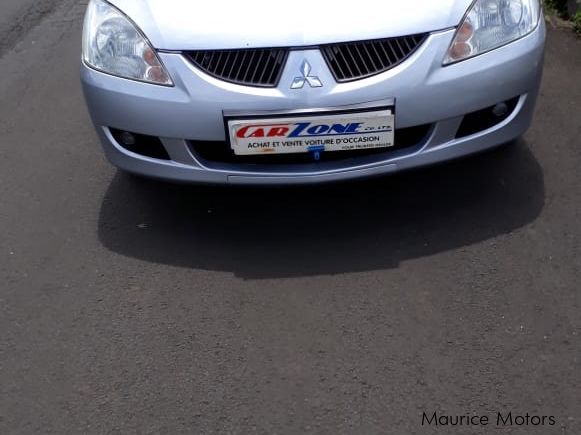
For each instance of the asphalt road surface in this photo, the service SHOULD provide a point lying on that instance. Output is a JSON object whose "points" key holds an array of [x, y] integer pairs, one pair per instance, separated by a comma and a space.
{"points": [[130, 306]]}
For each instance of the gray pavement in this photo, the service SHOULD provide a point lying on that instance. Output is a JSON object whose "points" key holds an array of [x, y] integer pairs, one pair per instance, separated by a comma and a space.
{"points": [[131, 306], [17, 17]]}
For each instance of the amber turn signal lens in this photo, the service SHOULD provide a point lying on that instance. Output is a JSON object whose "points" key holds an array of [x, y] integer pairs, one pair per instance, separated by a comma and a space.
{"points": [[150, 57], [460, 50], [465, 32]]}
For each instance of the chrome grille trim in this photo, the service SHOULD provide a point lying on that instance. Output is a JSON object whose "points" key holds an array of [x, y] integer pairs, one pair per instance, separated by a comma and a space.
{"points": [[260, 67], [352, 61]]}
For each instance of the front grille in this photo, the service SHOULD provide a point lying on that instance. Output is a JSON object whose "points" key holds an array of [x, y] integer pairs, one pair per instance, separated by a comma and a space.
{"points": [[210, 152], [349, 61], [357, 60], [252, 67]]}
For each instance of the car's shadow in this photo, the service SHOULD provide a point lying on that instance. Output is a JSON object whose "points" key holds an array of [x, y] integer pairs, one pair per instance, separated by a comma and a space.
{"points": [[289, 232]]}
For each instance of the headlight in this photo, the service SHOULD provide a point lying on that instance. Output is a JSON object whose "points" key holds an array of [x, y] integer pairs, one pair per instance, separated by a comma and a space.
{"points": [[114, 45], [490, 24]]}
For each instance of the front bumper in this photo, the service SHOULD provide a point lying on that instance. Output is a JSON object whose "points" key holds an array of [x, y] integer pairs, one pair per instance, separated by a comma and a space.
{"points": [[424, 92]]}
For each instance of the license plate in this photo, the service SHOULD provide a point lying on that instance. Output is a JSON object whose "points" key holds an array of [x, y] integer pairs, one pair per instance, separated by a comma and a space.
{"points": [[303, 134]]}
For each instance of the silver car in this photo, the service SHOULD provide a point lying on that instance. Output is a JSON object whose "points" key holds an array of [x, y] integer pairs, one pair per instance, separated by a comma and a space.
{"points": [[254, 92]]}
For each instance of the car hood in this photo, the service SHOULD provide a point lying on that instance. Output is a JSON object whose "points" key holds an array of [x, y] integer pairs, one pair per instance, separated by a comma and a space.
{"points": [[219, 24]]}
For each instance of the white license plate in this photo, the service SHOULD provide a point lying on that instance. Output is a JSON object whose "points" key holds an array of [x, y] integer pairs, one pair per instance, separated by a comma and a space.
{"points": [[303, 134]]}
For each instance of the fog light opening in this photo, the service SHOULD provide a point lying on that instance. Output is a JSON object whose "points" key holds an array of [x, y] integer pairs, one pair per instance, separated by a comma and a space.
{"points": [[127, 138], [484, 119], [500, 110], [144, 145]]}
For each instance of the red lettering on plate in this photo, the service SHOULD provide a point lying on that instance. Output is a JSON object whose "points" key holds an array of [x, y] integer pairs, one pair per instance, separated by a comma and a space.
{"points": [[242, 132], [259, 132], [250, 131], [262, 131], [278, 131]]}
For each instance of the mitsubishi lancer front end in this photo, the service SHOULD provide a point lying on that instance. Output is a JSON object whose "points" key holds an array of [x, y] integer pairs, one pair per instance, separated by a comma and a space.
{"points": [[256, 93]]}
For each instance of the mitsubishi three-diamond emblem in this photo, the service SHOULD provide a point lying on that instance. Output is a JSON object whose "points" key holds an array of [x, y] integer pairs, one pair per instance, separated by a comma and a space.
{"points": [[306, 77]]}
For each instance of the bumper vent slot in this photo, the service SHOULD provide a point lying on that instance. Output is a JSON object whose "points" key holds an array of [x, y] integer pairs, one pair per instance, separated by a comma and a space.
{"points": [[358, 60], [217, 153], [253, 67]]}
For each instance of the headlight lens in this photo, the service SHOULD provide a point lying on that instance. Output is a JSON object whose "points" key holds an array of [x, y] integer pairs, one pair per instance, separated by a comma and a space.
{"points": [[490, 24], [112, 44]]}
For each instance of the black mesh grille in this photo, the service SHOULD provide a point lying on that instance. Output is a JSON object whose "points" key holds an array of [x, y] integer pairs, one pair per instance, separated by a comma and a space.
{"points": [[254, 67], [356, 60]]}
